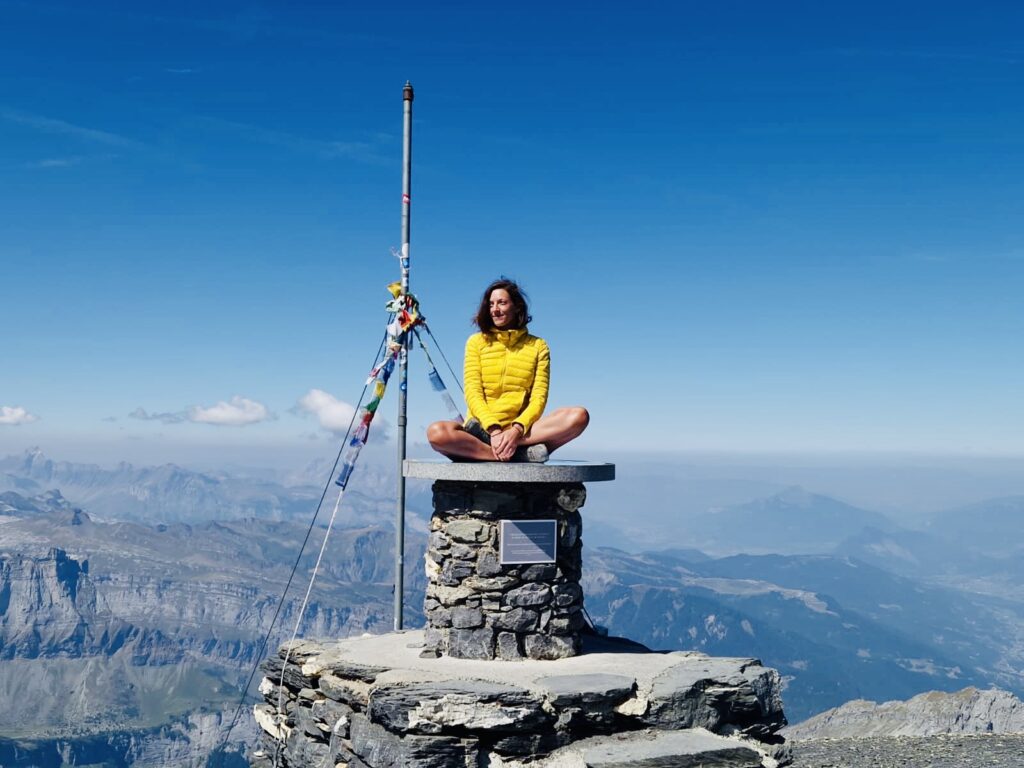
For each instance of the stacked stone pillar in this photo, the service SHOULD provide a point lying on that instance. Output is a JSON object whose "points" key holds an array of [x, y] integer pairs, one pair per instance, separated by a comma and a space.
{"points": [[479, 608], [476, 607]]}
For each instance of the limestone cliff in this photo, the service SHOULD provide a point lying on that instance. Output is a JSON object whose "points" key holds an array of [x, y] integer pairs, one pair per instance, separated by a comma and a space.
{"points": [[120, 641], [185, 742], [47, 606]]}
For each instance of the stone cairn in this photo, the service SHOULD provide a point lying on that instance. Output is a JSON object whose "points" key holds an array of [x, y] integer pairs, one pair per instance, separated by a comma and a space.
{"points": [[476, 607], [503, 675]]}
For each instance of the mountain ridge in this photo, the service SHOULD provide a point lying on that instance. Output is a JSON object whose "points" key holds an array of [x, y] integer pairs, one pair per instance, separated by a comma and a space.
{"points": [[967, 711]]}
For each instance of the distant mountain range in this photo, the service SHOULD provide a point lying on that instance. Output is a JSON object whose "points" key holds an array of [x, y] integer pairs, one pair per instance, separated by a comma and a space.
{"points": [[114, 627], [977, 549], [793, 521], [167, 493], [994, 527], [170, 493], [837, 629], [908, 553]]}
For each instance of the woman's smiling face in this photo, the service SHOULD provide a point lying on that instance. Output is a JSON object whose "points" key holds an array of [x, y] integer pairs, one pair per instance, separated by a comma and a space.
{"points": [[502, 309]]}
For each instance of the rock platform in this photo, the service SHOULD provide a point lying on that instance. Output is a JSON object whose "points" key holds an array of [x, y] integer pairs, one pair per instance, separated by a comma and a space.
{"points": [[374, 702]]}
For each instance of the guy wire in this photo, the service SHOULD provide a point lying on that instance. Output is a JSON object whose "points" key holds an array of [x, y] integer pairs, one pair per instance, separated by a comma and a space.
{"points": [[309, 531]]}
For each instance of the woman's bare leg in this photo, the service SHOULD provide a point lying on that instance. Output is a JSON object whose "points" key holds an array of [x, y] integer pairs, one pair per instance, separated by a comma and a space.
{"points": [[558, 427], [449, 438]]}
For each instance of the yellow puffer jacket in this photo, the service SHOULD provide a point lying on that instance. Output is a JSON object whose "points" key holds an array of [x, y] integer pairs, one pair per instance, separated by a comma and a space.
{"points": [[507, 374]]}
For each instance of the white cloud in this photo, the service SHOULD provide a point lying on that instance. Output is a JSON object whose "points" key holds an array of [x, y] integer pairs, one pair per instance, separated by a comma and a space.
{"points": [[333, 414], [236, 413], [15, 416]]}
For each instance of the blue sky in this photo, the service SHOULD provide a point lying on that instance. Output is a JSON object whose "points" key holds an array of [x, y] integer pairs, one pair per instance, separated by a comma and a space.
{"points": [[743, 226]]}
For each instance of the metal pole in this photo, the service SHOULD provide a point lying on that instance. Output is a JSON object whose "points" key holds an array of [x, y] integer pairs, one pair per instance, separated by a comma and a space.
{"points": [[403, 356]]}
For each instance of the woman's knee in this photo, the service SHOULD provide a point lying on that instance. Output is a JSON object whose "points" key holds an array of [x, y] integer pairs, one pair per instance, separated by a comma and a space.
{"points": [[579, 417], [440, 432]]}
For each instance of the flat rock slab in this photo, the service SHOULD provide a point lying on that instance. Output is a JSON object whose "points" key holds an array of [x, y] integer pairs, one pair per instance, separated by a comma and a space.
{"points": [[729, 693], [656, 749], [433, 707], [398, 654], [587, 689], [554, 471]]}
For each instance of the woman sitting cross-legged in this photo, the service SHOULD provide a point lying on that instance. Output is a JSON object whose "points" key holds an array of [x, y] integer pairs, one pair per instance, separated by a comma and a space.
{"points": [[507, 372]]}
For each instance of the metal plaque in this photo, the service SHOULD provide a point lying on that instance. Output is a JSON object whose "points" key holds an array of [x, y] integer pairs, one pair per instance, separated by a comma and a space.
{"points": [[528, 541]]}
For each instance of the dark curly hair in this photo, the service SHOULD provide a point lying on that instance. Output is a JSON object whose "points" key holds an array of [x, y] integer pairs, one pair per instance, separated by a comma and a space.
{"points": [[482, 319]]}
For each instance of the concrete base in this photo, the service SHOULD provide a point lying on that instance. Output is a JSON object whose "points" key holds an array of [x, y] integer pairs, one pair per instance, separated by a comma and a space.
{"points": [[554, 471]]}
